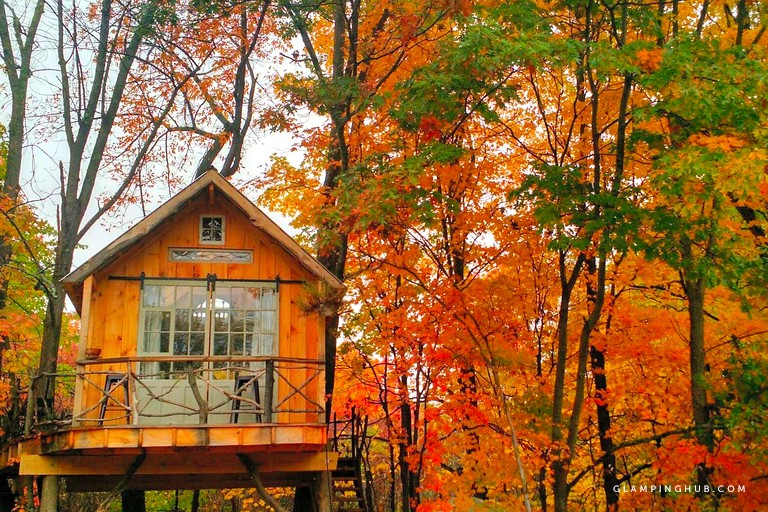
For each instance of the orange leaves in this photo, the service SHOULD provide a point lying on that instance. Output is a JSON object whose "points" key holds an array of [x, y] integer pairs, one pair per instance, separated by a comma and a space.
{"points": [[649, 61], [454, 7], [726, 143], [409, 24], [430, 129]]}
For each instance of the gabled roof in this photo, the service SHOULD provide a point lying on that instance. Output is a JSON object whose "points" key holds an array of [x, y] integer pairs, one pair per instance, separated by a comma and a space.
{"points": [[73, 282]]}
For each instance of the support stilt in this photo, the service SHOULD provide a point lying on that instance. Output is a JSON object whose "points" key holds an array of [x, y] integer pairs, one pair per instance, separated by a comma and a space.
{"points": [[133, 501], [49, 496], [321, 491], [120, 487], [254, 474]]}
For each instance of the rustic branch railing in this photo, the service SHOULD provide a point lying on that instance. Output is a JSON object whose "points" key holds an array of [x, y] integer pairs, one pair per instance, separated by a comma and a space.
{"points": [[286, 388]]}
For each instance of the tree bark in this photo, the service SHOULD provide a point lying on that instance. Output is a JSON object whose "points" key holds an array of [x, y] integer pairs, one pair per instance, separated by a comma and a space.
{"points": [[610, 479], [695, 291], [49, 494], [302, 500], [133, 501], [560, 464]]}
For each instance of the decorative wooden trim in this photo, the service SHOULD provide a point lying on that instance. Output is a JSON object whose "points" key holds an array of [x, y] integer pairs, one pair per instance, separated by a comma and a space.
{"points": [[193, 255]]}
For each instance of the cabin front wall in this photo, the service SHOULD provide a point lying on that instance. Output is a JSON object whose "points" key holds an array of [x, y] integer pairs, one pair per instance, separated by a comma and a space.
{"points": [[111, 319]]}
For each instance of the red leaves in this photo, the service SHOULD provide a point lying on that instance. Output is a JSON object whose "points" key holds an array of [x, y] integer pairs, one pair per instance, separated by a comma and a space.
{"points": [[430, 129]]}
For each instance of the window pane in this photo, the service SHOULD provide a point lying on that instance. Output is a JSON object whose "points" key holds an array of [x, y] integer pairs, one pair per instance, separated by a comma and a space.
{"points": [[183, 297], [221, 296], [144, 369], [248, 348], [221, 321], [198, 320], [196, 344], [151, 342], [238, 298], [180, 344], [237, 345], [199, 297], [237, 321], [220, 344], [253, 298], [268, 321], [253, 321], [151, 296], [182, 320], [212, 229], [167, 296], [152, 320], [265, 345], [165, 338], [268, 299], [165, 321]]}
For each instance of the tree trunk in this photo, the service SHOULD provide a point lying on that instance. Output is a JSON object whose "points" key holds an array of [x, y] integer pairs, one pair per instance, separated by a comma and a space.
{"points": [[133, 501], [560, 464], [302, 500], [695, 291], [407, 492], [49, 494], [610, 480], [321, 494], [195, 501]]}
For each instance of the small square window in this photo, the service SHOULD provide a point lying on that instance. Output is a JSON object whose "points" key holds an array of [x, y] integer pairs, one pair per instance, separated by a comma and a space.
{"points": [[212, 229]]}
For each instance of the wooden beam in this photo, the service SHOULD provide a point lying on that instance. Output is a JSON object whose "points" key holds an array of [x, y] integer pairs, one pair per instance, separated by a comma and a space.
{"points": [[226, 437], [93, 483], [174, 464]]}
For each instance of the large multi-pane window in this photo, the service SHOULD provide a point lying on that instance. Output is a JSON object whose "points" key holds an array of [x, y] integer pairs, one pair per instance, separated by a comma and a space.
{"points": [[182, 319]]}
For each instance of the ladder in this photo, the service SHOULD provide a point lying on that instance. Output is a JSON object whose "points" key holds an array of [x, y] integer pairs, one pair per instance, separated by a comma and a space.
{"points": [[347, 489]]}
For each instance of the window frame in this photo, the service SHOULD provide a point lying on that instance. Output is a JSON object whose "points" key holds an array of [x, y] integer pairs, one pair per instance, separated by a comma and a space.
{"points": [[223, 220], [154, 367]]}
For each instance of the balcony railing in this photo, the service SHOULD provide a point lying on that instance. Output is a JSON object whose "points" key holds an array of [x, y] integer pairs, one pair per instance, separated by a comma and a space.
{"points": [[165, 390]]}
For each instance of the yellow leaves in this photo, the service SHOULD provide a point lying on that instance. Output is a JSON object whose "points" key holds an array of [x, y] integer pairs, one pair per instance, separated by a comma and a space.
{"points": [[726, 143]]}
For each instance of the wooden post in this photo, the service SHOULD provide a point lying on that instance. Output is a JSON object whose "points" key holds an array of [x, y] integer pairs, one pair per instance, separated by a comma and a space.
{"points": [[133, 501], [49, 496], [321, 491], [134, 395], [269, 386]]}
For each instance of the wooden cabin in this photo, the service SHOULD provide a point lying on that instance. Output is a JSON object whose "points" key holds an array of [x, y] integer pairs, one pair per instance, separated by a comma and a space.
{"points": [[199, 360]]}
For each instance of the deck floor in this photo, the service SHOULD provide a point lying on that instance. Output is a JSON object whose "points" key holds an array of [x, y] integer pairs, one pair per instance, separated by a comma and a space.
{"points": [[184, 457]]}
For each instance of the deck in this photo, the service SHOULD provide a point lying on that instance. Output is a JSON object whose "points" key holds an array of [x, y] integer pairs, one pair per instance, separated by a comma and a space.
{"points": [[189, 429], [95, 459]]}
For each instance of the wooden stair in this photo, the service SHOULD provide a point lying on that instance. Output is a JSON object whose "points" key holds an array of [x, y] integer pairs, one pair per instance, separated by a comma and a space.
{"points": [[347, 494]]}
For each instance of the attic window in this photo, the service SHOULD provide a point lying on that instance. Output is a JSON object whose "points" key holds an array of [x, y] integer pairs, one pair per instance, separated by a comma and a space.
{"points": [[212, 229], [211, 255]]}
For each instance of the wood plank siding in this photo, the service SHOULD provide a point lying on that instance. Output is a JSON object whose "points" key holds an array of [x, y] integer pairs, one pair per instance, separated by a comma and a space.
{"points": [[111, 318]]}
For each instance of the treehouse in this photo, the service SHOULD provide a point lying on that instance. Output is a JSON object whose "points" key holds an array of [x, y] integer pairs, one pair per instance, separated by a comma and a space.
{"points": [[201, 357]]}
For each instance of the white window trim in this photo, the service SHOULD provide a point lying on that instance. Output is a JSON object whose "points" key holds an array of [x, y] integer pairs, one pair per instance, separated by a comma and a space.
{"points": [[208, 327], [223, 230]]}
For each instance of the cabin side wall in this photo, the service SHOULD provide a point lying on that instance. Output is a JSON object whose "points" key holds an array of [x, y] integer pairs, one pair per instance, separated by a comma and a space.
{"points": [[112, 323]]}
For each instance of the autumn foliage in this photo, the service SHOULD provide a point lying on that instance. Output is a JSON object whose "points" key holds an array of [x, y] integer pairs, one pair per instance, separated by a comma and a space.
{"points": [[555, 216], [550, 217]]}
